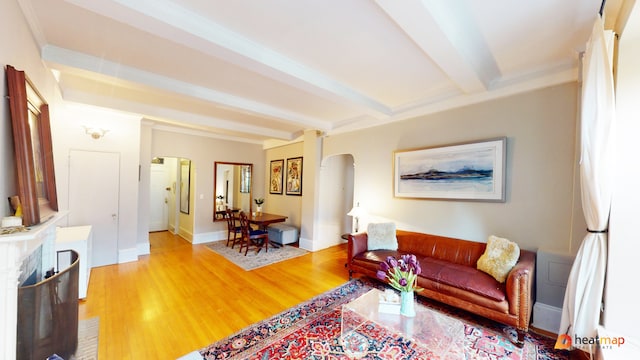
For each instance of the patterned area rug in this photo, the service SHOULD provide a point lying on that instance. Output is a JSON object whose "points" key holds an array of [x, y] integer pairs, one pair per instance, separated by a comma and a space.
{"points": [[255, 260], [311, 330], [87, 339]]}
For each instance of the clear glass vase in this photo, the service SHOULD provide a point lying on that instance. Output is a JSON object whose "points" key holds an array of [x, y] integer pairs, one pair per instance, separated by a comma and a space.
{"points": [[407, 303]]}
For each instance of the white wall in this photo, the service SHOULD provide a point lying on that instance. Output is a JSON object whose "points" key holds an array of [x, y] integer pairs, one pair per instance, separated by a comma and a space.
{"points": [[336, 187], [622, 314], [123, 137], [203, 152], [18, 49], [142, 241], [540, 210]]}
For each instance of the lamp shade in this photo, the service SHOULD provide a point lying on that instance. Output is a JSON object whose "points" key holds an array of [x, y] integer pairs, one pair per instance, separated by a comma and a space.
{"points": [[356, 211]]}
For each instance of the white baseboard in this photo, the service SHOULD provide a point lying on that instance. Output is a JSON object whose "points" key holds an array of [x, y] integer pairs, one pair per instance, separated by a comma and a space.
{"points": [[546, 317], [204, 238], [185, 234], [316, 245], [144, 248], [127, 255]]}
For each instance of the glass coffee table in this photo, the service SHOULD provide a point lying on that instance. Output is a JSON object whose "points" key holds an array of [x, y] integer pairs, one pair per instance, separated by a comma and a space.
{"points": [[439, 333]]}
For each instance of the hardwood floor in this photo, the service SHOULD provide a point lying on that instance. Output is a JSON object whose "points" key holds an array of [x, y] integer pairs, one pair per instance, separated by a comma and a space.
{"points": [[183, 297]]}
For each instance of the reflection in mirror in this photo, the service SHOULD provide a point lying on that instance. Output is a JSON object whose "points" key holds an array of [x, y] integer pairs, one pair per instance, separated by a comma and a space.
{"points": [[185, 184], [232, 188]]}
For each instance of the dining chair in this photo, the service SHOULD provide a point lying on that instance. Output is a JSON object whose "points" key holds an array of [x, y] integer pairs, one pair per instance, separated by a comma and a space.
{"points": [[252, 238], [234, 231]]}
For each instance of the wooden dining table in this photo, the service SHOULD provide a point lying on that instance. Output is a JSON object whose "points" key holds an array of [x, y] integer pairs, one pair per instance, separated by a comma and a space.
{"points": [[263, 220]]}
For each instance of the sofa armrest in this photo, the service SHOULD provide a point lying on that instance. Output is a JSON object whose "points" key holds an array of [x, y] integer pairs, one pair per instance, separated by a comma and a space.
{"points": [[519, 287], [356, 245]]}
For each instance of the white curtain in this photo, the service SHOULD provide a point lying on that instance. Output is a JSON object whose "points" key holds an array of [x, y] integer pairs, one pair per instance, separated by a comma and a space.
{"points": [[581, 309]]}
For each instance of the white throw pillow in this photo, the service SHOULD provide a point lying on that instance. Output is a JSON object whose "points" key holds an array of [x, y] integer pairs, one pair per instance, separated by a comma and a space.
{"points": [[382, 236], [500, 256]]}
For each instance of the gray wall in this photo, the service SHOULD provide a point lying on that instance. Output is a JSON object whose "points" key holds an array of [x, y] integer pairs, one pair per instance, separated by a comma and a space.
{"points": [[540, 209]]}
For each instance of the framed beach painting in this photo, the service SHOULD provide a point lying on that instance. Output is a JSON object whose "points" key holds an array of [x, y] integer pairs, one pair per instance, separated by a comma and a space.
{"points": [[294, 176], [275, 177], [470, 171]]}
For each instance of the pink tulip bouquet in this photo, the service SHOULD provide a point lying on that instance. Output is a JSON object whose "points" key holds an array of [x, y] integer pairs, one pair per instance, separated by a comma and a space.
{"points": [[401, 274]]}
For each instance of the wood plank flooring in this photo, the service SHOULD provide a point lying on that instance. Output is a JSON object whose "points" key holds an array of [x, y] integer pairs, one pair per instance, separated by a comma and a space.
{"points": [[183, 297]]}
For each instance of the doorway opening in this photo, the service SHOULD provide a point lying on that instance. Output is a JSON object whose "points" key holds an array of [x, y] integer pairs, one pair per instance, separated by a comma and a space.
{"points": [[170, 191], [336, 198]]}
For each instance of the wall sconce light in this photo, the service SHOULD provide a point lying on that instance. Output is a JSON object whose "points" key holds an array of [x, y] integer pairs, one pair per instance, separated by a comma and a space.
{"points": [[95, 133], [357, 212]]}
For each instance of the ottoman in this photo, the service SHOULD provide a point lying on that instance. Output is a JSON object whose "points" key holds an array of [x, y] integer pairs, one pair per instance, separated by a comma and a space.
{"points": [[282, 233]]}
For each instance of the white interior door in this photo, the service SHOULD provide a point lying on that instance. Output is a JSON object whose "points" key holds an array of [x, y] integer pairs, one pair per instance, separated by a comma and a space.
{"points": [[159, 198], [94, 187]]}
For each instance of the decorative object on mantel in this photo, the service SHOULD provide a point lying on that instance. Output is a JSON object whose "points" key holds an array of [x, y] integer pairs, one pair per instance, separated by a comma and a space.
{"points": [[11, 221], [467, 171], [402, 275], [12, 229]]}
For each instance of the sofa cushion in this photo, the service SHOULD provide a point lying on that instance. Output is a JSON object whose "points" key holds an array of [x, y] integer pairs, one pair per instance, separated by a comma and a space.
{"points": [[462, 277], [500, 256], [382, 236]]}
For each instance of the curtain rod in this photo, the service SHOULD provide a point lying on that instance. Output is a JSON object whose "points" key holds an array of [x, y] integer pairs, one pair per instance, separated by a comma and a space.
{"points": [[602, 7]]}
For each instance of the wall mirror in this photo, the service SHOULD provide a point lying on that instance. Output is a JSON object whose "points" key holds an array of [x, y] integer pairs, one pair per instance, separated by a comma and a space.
{"points": [[232, 188], [185, 184], [33, 149]]}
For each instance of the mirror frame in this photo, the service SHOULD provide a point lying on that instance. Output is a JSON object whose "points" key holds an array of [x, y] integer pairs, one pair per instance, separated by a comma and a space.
{"points": [[22, 94], [185, 191], [215, 183]]}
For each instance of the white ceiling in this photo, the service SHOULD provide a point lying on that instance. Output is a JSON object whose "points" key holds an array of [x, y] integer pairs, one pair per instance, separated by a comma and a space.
{"points": [[255, 70]]}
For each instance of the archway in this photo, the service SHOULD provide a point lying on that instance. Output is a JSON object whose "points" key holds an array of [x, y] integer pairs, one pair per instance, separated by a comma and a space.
{"points": [[336, 198]]}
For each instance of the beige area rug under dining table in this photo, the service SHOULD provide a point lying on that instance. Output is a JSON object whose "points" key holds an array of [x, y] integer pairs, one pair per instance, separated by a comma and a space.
{"points": [[255, 260]]}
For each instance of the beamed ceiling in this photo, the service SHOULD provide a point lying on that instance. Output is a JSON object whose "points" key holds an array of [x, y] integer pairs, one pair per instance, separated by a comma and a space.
{"points": [[255, 70]]}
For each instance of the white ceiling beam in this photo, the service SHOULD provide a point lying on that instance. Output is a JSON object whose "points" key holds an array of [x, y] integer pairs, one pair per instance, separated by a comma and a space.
{"points": [[194, 28], [448, 34], [65, 57], [156, 112]]}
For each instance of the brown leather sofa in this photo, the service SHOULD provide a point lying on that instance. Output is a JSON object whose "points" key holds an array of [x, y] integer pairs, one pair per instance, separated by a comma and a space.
{"points": [[449, 275]]}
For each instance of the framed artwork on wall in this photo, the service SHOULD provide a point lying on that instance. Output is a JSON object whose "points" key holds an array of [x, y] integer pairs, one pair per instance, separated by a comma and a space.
{"points": [[275, 176], [294, 176], [468, 171], [36, 182]]}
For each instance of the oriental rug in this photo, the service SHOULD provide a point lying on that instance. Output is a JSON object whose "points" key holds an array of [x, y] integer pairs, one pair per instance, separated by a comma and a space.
{"points": [[311, 330], [255, 260]]}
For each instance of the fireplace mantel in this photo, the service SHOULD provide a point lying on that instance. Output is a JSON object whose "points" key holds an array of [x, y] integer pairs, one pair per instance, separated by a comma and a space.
{"points": [[14, 248]]}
